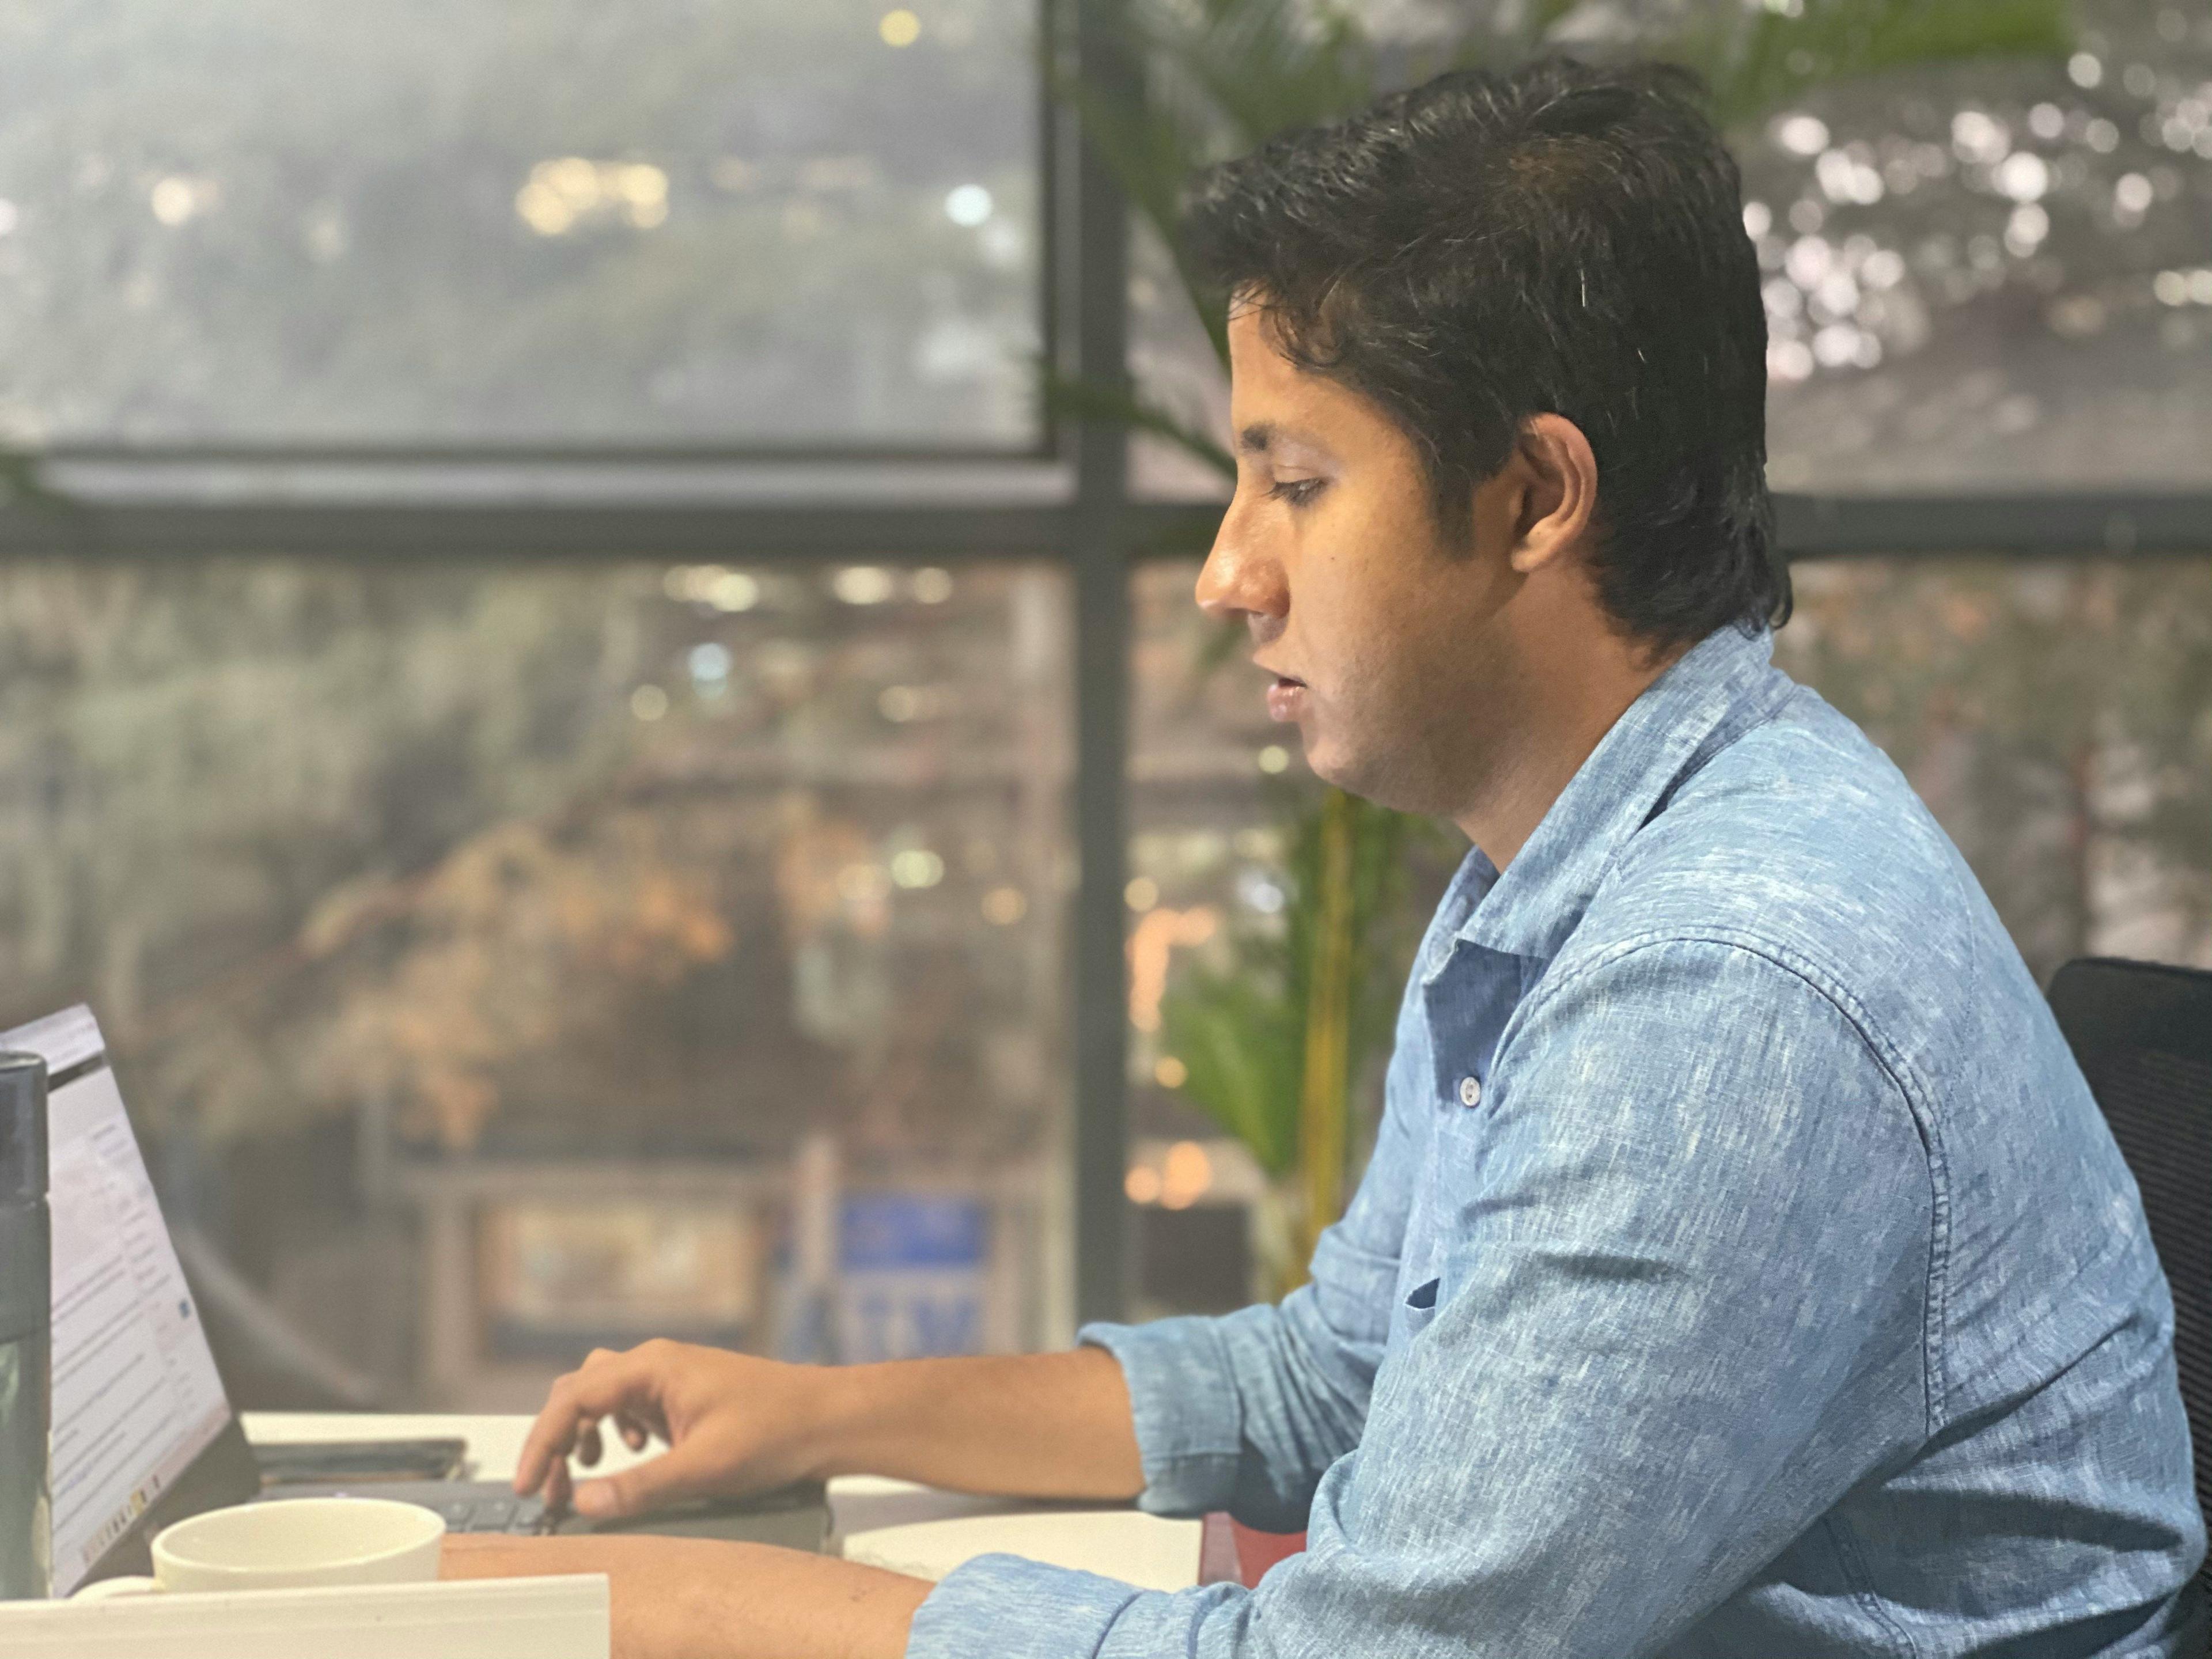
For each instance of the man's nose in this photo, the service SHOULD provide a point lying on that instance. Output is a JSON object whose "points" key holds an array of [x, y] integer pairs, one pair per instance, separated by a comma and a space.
{"points": [[1239, 578]]}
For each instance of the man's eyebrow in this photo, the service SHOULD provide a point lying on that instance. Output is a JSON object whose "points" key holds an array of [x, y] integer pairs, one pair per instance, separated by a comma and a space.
{"points": [[1263, 437]]}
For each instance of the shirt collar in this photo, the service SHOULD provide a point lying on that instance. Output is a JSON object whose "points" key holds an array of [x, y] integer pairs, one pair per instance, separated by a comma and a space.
{"points": [[1529, 909]]}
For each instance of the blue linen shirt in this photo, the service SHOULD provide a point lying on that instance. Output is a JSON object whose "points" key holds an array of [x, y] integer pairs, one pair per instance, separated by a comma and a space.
{"points": [[1743, 1271]]}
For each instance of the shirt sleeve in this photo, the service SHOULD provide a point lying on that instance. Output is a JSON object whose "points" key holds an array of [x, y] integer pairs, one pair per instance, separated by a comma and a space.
{"points": [[1684, 1313], [1246, 1411]]}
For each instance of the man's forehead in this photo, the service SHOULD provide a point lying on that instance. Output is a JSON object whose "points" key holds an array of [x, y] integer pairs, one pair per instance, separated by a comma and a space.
{"points": [[1274, 403], [1256, 349]]}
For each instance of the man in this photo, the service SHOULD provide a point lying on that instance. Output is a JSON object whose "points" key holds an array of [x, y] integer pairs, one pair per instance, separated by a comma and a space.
{"points": [[1743, 1269]]}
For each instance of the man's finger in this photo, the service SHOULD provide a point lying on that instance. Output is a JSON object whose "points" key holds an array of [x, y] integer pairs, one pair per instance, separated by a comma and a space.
{"points": [[559, 1488], [670, 1478], [550, 1437], [578, 1400]]}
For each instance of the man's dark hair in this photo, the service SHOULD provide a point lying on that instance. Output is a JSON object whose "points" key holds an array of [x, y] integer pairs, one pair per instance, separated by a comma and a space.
{"points": [[1563, 238]]}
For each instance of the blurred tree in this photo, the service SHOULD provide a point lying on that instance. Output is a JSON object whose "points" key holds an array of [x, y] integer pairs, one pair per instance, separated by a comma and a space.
{"points": [[2057, 717], [296, 222], [309, 836], [567, 862]]}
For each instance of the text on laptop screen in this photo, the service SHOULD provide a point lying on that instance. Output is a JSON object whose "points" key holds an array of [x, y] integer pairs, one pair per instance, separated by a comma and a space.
{"points": [[135, 1395]]}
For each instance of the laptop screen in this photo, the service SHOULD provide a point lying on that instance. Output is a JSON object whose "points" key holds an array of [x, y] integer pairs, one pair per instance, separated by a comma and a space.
{"points": [[135, 1395]]}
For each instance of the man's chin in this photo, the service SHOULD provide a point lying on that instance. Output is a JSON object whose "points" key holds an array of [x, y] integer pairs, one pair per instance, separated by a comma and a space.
{"points": [[1333, 767], [1366, 776]]}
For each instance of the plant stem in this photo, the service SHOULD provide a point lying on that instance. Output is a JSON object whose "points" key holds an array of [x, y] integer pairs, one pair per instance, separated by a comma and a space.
{"points": [[1324, 1130]]}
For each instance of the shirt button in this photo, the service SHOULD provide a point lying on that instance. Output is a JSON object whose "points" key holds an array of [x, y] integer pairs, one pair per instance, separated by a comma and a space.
{"points": [[1470, 1092]]}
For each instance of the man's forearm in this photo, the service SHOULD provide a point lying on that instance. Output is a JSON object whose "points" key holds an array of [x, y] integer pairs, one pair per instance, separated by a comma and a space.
{"points": [[690, 1598], [1032, 1426], [1040, 1425]]}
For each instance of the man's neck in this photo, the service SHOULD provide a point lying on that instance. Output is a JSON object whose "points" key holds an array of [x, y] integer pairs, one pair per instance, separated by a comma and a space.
{"points": [[1565, 720]]}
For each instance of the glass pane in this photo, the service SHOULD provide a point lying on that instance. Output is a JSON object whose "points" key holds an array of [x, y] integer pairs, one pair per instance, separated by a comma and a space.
{"points": [[1991, 276], [1996, 277], [501, 962], [2053, 715], [510, 223], [1174, 363]]}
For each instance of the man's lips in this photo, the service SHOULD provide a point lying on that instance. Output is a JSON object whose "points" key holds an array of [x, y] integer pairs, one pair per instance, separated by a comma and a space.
{"points": [[1287, 698]]}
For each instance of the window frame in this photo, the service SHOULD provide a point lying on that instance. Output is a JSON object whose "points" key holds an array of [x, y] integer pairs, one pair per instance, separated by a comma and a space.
{"points": [[1066, 500]]}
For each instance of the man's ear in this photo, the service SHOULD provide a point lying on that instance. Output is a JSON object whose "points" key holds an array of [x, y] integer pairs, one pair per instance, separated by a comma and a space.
{"points": [[1558, 474]]}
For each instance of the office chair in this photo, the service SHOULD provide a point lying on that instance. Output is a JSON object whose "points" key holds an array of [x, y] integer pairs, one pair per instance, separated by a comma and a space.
{"points": [[2142, 1034]]}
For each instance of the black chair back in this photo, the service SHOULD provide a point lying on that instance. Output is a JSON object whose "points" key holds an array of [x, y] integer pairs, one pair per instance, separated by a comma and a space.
{"points": [[2142, 1033]]}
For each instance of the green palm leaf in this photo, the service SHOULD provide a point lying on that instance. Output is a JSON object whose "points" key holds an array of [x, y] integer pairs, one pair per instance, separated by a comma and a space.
{"points": [[1757, 62]]}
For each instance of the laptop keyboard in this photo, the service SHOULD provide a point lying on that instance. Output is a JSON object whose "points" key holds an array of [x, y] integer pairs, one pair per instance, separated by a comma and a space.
{"points": [[512, 1515], [477, 1506]]}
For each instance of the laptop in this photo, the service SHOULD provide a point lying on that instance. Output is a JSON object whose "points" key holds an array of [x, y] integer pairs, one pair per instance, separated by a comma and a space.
{"points": [[144, 1432]]}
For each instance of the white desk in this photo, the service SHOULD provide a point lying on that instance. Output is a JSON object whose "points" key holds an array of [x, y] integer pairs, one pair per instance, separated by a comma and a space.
{"points": [[887, 1523]]}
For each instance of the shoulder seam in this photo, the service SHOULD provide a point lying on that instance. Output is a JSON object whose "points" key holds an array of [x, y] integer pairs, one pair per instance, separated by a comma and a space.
{"points": [[1910, 1087]]}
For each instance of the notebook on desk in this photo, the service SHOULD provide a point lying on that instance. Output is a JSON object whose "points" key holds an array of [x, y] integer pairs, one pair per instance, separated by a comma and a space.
{"points": [[143, 1431]]}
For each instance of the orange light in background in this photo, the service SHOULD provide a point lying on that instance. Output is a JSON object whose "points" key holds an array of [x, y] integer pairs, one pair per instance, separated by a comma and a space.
{"points": [[1170, 1073], [1151, 944], [1188, 1173]]}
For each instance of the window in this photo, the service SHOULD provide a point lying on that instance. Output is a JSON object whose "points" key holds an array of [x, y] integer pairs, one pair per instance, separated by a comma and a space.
{"points": [[1989, 277], [568, 933], [2052, 714], [1995, 278], [497, 224]]}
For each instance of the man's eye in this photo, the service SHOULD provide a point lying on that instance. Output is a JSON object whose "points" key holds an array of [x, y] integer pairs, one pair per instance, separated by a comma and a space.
{"points": [[1297, 491]]}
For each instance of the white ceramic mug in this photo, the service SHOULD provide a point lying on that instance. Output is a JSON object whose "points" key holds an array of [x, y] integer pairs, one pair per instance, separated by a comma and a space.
{"points": [[289, 1545]]}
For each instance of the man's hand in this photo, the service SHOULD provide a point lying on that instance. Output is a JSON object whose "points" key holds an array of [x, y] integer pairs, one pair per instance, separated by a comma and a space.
{"points": [[689, 1598], [1027, 1425], [734, 1425]]}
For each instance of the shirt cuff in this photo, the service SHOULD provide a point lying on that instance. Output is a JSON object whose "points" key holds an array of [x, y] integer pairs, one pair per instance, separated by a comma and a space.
{"points": [[1183, 1398], [1012, 1609], [1009, 1608]]}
